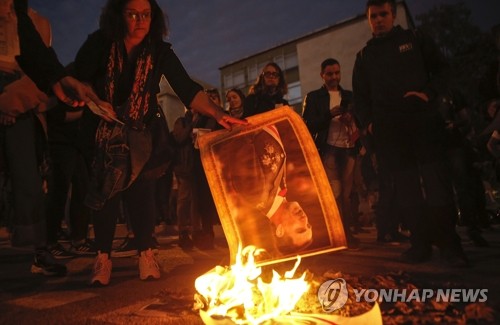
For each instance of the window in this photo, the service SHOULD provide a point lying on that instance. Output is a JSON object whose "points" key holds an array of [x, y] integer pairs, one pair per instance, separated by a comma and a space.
{"points": [[294, 93], [291, 60]]}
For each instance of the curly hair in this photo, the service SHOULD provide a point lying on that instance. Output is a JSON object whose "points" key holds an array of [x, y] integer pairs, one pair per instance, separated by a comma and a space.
{"points": [[259, 87], [112, 22]]}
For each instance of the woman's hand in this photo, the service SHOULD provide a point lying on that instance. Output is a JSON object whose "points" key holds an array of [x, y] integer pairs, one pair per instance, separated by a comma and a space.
{"points": [[227, 121], [204, 105]]}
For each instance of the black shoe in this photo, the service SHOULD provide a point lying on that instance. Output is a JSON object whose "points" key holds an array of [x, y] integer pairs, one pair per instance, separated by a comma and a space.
{"points": [[416, 256], [392, 239], [127, 249], [59, 252], [359, 230], [44, 263], [185, 242], [84, 248]]}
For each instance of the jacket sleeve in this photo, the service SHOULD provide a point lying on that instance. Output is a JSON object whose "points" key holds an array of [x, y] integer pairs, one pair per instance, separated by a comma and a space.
{"points": [[316, 119], [173, 70], [361, 93], [38, 61]]}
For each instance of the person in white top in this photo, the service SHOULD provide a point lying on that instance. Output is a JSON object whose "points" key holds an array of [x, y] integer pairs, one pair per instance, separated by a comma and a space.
{"points": [[328, 118]]}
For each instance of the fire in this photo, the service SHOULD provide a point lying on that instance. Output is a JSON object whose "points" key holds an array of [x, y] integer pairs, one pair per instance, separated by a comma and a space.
{"points": [[239, 292]]}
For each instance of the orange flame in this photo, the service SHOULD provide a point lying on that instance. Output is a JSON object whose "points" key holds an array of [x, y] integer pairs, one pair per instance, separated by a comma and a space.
{"points": [[238, 291]]}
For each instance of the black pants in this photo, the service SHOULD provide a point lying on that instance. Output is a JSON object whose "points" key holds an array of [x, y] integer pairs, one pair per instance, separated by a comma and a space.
{"points": [[68, 168], [409, 148], [139, 203]]}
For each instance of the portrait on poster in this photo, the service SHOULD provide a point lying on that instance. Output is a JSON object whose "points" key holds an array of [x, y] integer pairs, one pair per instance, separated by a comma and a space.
{"points": [[270, 188]]}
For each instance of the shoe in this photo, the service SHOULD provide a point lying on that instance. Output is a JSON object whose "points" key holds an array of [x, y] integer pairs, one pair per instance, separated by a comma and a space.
{"points": [[148, 266], [84, 248], [185, 242], [416, 255], [126, 249], [59, 252], [101, 272], [44, 263], [358, 230], [395, 239]]}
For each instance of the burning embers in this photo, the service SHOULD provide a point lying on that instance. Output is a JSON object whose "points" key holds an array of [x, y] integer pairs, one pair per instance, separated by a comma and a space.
{"points": [[239, 292]]}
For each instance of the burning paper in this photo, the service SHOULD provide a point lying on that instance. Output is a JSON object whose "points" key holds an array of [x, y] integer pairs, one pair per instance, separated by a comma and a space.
{"points": [[240, 294]]}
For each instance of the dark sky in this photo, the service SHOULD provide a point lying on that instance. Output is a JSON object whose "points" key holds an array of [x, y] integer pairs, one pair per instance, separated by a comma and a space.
{"points": [[207, 34]]}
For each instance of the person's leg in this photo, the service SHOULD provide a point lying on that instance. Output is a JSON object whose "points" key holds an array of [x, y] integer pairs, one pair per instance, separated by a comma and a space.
{"points": [[140, 200], [105, 224], [62, 169], [184, 211], [79, 213], [29, 197], [428, 140], [347, 179], [332, 166]]}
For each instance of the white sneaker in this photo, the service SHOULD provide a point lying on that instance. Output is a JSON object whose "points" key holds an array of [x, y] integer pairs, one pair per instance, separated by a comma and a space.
{"points": [[148, 266], [101, 273]]}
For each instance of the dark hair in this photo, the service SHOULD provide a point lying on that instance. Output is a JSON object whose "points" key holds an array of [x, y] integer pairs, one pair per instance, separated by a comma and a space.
{"points": [[213, 91], [392, 3], [328, 62], [238, 92], [112, 22], [259, 86]]}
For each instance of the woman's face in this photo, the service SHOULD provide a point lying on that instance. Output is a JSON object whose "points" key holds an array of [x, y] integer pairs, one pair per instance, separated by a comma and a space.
{"points": [[234, 100], [137, 15], [271, 76]]}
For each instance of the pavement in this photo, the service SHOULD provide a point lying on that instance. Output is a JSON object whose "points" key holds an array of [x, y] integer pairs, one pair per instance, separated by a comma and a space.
{"points": [[34, 299]]}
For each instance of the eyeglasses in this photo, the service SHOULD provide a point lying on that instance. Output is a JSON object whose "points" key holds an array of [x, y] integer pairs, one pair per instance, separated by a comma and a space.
{"points": [[269, 74], [135, 15]]}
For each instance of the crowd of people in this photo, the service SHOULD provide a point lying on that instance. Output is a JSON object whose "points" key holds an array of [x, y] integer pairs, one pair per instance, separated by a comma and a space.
{"points": [[403, 132]]}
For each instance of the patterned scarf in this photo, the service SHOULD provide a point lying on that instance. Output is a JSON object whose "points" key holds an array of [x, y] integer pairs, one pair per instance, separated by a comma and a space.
{"points": [[137, 104]]}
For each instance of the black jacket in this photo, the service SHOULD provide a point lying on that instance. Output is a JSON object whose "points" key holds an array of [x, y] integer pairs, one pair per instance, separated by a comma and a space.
{"points": [[317, 114], [389, 66]]}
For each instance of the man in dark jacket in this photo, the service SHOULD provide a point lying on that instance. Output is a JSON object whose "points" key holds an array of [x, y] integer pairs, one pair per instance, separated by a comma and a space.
{"points": [[396, 77], [332, 126]]}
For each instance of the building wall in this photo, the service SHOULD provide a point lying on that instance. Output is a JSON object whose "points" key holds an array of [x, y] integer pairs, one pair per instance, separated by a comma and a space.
{"points": [[342, 43]]}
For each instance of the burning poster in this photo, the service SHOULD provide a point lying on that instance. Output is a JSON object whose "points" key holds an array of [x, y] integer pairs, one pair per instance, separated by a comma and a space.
{"points": [[270, 188]]}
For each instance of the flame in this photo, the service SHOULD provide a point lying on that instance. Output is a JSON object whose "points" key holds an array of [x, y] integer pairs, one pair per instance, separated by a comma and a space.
{"points": [[239, 292]]}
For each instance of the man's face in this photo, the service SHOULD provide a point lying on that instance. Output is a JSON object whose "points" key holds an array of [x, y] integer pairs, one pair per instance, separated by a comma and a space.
{"points": [[296, 224], [381, 19], [331, 76]]}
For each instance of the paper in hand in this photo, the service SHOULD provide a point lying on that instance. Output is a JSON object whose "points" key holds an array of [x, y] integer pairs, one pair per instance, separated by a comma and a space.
{"points": [[99, 111]]}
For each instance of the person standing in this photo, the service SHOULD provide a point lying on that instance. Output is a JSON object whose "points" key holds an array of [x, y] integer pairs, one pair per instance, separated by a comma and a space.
{"points": [[124, 61], [22, 124], [329, 119], [267, 92], [396, 78], [235, 99]]}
